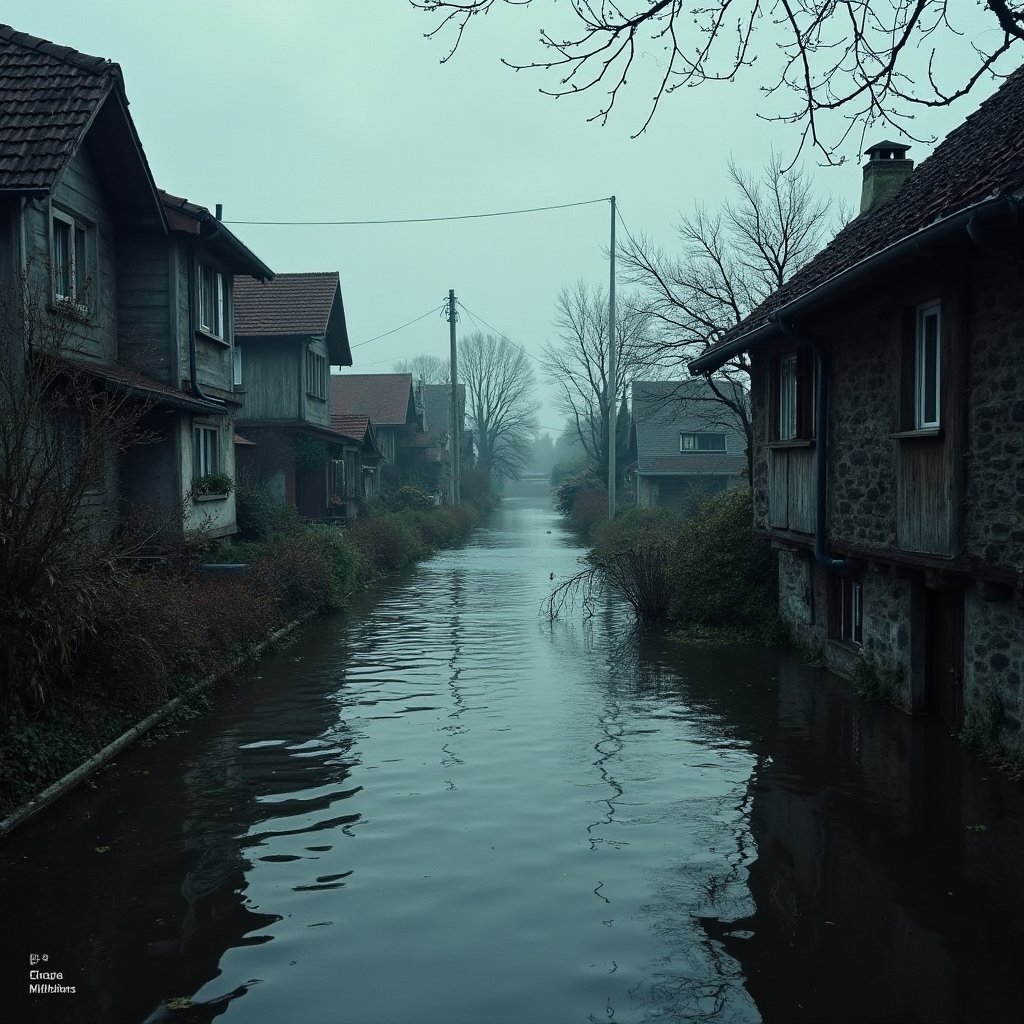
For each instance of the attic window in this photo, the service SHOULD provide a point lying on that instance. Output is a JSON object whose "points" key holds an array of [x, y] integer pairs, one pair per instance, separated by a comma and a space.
{"points": [[70, 260], [702, 442]]}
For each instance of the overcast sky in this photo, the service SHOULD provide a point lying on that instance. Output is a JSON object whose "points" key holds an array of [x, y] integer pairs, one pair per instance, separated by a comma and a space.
{"points": [[340, 110]]}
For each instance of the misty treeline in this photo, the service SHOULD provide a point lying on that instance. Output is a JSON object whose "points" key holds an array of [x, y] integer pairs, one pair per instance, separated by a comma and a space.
{"points": [[834, 68], [501, 403]]}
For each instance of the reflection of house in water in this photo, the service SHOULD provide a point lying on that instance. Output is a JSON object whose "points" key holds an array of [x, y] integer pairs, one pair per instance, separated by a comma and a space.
{"points": [[874, 900]]}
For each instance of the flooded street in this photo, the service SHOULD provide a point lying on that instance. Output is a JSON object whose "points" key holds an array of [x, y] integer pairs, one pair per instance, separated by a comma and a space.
{"points": [[440, 808]]}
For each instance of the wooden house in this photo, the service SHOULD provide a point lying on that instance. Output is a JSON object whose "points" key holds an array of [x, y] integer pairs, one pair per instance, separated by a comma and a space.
{"points": [[888, 409], [390, 403], [143, 278], [684, 444], [357, 477], [290, 332], [436, 403]]}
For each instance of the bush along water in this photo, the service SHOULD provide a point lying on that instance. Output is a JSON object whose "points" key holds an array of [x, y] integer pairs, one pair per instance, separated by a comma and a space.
{"points": [[155, 633], [706, 572]]}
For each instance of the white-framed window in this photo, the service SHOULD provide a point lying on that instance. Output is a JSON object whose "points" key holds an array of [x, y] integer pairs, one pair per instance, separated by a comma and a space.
{"points": [[849, 610], [236, 365], [71, 259], [702, 442], [787, 396], [316, 374], [927, 368], [211, 302], [205, 451]]}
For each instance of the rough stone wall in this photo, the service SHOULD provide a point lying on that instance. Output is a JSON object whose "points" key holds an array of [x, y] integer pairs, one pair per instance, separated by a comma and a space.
{"points": [[887, 633], [994, 669], [862, 398], [796, 601], [995, 421]]}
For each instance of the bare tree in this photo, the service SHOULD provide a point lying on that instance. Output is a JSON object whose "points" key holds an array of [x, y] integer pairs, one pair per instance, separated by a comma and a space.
{"points": [[61, 543], [429, 369], [578, 362], [500, 390], [729, 261], [874, 62]]}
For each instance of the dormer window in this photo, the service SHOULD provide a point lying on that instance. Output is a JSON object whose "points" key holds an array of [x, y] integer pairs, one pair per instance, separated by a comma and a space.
{"points": [[702, 442], [211, 302]]}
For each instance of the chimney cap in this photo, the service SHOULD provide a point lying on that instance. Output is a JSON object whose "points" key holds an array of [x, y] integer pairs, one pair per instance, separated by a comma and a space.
{"points": [[887, 151]]}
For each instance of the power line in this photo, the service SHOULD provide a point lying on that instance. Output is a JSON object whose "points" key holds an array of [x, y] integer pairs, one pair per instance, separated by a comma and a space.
{"points": [[505, 337], [395, 330], [416, 220]]}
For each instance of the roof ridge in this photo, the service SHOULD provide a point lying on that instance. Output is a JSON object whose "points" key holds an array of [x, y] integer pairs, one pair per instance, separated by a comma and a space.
{"points": [[86, 62]]}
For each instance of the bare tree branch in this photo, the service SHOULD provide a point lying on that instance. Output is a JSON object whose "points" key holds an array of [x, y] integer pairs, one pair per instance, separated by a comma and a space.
{"points": [[860, 58]]}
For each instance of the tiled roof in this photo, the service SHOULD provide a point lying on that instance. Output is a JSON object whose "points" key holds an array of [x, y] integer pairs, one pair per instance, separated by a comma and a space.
{"points": [[290, 305], [982, 157], [351, 425], [385, 397], [50, 94], [662, 410]]}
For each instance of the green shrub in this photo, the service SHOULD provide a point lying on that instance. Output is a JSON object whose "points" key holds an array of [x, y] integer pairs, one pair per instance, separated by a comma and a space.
{"points": [[285, 521], [409, 497], [589, 508], [254, 514], [722, 574], [387, 543], [343, 559]]}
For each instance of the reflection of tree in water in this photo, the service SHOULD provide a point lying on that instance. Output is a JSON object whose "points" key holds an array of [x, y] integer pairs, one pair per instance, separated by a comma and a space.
{"points": [[694, 978]]}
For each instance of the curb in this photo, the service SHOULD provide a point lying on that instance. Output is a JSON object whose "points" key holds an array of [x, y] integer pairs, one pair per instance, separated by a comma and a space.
{"points": [[126, 739]]}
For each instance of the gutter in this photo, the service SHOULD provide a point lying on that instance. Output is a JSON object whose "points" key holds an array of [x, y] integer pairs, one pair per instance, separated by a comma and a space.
{"points": [[975, 219]]}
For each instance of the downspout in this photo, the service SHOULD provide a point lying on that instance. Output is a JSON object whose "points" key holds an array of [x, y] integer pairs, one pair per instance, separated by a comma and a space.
{"points": [[820, 443], [193, 376]]}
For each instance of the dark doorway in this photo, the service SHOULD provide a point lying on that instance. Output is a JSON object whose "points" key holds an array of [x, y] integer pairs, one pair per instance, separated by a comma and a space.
{"points": [[944, 655], [311, 491]]}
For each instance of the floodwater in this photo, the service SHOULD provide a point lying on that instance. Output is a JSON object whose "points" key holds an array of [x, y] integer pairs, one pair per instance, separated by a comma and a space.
{"points": [[440, 808]]}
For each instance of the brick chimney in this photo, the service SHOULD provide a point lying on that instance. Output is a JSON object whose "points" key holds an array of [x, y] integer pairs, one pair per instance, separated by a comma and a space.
{"points": [[886, 170]]}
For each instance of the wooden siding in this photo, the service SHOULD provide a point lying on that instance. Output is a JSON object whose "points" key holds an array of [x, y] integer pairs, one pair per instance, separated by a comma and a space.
{"points": [[314, 410], [791, 489], [77, 193], [272, 378], [143, 302]]}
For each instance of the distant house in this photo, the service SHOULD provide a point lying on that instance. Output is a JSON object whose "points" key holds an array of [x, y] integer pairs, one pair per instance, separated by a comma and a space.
{"points": [[389, 401], [888, 409], [436, 402], [684, 444], [143, 279], [290, 332], [358, 477]]}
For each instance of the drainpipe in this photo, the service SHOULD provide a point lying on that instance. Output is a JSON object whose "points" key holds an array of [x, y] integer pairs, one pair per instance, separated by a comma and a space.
{"points": [[820, 443]]}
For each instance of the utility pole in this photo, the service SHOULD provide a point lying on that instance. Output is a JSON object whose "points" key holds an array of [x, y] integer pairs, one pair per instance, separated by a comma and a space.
{"points": [[612, 368], [456, 426]]}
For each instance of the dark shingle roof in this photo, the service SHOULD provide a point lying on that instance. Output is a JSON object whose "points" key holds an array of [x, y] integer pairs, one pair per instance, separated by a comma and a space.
{"points": [[50, 94], [982, 157], [662, 410], [385, 397], [290, 305]]}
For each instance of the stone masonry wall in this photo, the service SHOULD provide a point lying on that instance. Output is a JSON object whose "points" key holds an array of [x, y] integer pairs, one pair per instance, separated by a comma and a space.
{"points": [[995, 424], [862, 396], [994, 669]]}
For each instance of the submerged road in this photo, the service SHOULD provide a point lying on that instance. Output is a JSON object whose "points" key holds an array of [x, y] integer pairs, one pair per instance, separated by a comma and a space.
{"points": [[440, 808]]}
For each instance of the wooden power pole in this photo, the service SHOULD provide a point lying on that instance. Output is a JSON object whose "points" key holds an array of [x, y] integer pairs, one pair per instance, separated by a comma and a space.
{"points": [[456, 425], [612, 370]]}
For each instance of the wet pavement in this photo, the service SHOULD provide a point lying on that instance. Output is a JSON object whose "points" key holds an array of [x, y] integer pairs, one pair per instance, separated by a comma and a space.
{"points": [[440, 807]]}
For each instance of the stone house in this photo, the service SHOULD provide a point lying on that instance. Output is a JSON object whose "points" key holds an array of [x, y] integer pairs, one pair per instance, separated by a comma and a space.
{"points": [[888, 409], [290, 332], [143, 278], [684, 444]]}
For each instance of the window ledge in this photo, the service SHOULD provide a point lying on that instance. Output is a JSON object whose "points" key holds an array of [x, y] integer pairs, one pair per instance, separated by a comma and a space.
{"points": [[69, 308], [319, 398], [211, 497], [206, 336], [917, 435], [850, 646], [795, 442]]}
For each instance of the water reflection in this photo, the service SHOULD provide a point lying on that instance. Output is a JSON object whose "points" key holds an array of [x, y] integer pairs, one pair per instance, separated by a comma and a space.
{"points": [[441, 806]]}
